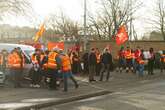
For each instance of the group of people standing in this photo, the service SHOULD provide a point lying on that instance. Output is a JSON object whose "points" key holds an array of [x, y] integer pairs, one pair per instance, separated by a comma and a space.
{"points": [[97, 63], [53, 66], [50, 66], [56, 66], [135, 60]]}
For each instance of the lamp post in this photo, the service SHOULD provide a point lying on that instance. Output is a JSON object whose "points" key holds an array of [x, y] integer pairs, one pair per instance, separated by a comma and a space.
{"points": [[85, 26]]}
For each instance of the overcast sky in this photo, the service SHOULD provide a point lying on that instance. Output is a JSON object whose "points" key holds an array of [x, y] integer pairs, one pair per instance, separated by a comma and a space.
{"points": [[74, 9]]}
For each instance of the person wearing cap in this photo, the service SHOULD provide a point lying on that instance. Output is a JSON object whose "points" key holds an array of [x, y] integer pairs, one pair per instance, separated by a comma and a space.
{"points": [[66, 71], [16, 62], [53, 65]]}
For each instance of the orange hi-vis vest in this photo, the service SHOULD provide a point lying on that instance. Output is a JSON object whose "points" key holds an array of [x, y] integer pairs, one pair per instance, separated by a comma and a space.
{"points": [[140, 60], [14, 61], [162, 59], [65, 63], [34, 59], [128, 54], [52, 60], [98, 57]]}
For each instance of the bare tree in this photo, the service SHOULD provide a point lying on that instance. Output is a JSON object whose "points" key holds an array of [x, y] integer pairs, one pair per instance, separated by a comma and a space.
{"points": [[17, 7], [63, 25], [158, 20], [114, 14]]}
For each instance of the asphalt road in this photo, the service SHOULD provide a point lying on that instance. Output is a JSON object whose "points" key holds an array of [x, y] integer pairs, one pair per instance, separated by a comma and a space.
{"points": [[150, 96]]}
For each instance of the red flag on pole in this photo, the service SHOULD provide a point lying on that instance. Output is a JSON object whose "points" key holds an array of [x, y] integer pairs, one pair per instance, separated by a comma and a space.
{"points": [[121, 36]]}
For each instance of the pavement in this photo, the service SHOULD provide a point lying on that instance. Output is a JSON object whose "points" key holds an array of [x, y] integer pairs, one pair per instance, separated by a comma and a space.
{"points": [[27, 98]]}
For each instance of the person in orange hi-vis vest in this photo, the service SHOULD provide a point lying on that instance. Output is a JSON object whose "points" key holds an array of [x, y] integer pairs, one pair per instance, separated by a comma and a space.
{"points": [[98, 64], [138, 53], [128, 57], [162, 61], [16, 63], [133, 61], [141, 63], [67, 71], [37, 59], [121, 59], [53, 65]]}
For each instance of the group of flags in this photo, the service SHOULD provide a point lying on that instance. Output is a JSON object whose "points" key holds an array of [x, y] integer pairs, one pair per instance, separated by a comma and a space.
{"points": [[121, 37]]}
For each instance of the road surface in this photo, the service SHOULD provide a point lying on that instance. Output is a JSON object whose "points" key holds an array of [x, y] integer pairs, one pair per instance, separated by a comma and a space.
{"points": [[149, 96]]}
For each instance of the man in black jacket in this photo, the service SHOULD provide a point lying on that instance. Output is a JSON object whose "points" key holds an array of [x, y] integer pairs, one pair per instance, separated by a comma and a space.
{"points": [[106, 61], [85, 62], [92, 60]]}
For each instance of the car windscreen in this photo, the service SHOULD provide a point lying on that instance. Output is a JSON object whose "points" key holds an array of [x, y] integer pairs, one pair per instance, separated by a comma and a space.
{"points": [[29, 52]]}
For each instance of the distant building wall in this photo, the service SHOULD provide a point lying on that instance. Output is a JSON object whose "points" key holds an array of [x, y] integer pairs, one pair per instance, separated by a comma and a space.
{"points": [[157, 45]]}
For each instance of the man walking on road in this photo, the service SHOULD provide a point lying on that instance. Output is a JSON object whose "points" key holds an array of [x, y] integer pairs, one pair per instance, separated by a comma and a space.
{"points": [[66, 71], [106, 61]]}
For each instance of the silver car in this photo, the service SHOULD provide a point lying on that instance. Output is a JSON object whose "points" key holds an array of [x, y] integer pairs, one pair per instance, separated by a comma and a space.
{"points": [[27, 51]]}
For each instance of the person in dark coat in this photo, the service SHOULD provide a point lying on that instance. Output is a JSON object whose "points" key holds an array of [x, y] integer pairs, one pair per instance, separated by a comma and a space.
{"points": [[151, 61], [106, 61], [75, 63], [85, 62], [92, 60]]}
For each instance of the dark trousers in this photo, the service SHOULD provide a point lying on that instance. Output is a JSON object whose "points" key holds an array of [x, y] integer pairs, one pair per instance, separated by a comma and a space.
{"points": [[92, 71], [66, 82], [162, 66], [75, 67], [105, 68], [17, 77], [150, 67], [129, 63], [53, 74], [36, 77], [86, 68], [98, 69]]}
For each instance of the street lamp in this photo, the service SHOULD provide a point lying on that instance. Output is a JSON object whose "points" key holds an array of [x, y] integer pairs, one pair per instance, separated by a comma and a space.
{"points": [[85, 26]]}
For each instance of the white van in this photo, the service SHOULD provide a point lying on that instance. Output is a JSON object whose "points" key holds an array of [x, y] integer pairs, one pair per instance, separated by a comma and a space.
{"points": [[27, 51]]}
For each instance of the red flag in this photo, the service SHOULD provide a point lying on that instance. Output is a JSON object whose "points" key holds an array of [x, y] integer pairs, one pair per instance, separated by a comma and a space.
{"points": [[52, 45], [122, 35]]}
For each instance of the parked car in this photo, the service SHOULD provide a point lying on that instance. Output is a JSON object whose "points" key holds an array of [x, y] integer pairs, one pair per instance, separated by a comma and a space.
{"points": [[27, 51]]}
